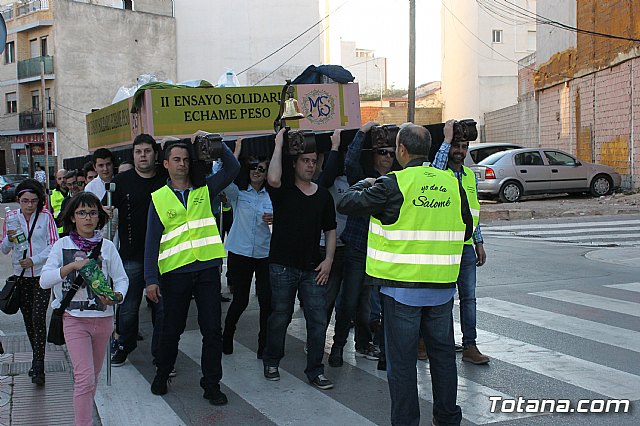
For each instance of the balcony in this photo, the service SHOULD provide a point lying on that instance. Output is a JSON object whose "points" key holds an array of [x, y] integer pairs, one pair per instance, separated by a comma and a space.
{"points": [[32, 120], [31, 67], [32, 6], [7, 13]]}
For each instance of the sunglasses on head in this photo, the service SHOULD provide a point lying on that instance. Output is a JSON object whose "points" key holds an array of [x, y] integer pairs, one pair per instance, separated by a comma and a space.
{"points": [[256, 166], [384, 152]]}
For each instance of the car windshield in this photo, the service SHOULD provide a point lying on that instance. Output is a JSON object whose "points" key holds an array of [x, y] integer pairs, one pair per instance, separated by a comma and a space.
{"points": [[493, 158], [15, 178]]}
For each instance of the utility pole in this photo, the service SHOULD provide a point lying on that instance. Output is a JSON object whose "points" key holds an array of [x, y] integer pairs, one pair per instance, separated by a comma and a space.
{"points": [[411, 107], [44, 126]]}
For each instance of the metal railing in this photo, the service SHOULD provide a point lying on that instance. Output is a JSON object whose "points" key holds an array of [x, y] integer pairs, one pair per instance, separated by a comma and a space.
{"points": [[31, 120], [31, 67], [32, 6]]}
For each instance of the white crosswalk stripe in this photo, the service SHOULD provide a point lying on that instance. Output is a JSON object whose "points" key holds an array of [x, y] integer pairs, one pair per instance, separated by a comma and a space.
{"points": [[293, 401], [598, 233]]}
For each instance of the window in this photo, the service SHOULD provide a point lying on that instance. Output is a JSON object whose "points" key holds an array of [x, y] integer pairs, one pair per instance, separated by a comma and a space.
{"points": [[34, 48], [9, 53], [497, 36], [556, 158], [47, 98], [531, 40], [127, 4], [44, 51], [12, 103], [35, 100], [528, 159]]}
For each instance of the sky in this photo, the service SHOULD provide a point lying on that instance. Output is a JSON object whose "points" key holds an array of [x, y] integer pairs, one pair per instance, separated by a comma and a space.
{"points": [[383, 26]]}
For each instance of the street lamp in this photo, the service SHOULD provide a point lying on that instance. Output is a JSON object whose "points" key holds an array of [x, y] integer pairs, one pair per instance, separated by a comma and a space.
{"points": [[379, 80]]}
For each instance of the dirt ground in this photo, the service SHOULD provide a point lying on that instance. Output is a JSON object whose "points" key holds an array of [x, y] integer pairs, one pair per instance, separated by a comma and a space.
{"points": [[562, 205]]}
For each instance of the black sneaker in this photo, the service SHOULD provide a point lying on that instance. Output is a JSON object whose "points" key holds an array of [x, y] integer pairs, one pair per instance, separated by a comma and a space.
{"points": [[382, 364], [335, 357], [459, 348], [159, 385], [215, 397], [271, 373], [118, 359], [322, 382], [370, 352]]}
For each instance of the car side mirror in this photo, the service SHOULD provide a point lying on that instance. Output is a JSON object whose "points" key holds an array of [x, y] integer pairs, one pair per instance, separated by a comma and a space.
{"points": [[578, 163]]}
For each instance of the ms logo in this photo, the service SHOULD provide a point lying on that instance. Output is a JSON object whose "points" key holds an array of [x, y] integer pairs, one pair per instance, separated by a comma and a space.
{"points": [[319, 106], [171, 213]]}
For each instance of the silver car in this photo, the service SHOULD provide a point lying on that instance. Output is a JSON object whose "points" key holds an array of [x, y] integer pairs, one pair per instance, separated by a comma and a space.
{"points": [[479, 151], [512, 174]]}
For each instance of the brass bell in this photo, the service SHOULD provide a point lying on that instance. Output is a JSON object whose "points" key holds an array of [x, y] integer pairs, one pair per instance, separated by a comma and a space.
{"points": [[292, 109]]}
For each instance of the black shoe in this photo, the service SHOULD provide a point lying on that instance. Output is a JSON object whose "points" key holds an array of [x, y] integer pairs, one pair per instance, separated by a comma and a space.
{"points": [[215, 397], [159, 385], [227, 344], [119, 358], [382, 364], [322, 382], [31, 372], [335, 357], [271, 373], [38, 373]]}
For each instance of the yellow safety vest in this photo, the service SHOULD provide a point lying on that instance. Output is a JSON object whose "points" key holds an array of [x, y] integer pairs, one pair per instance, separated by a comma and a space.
{"points": [[190, 233], [56, 199], [425, 243], [469, 186]]}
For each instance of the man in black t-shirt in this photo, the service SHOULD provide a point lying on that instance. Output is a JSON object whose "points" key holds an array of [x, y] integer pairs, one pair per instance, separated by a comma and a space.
{"points": [[132, 197], [300, 213]]}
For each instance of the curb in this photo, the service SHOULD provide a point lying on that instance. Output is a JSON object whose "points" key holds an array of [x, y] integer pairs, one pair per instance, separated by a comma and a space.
{"points": [[506, 214]]}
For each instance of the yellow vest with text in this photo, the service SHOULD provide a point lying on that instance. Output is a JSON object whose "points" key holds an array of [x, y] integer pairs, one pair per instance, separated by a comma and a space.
{"points": [[190, 233], [56, 200], [470, 188], [425, 244]]}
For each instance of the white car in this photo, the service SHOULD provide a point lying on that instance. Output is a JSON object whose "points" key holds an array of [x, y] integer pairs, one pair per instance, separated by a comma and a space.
{"points": [[512, 174]]}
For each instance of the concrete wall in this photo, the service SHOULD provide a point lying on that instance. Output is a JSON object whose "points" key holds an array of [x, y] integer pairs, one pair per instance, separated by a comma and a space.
{"points": [[398, 115], [101, 49], [515, 124], [212, 37], [550, 40], [159, 7], [477, 78]]}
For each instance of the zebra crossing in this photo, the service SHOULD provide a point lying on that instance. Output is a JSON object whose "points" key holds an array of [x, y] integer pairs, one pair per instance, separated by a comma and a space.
{"points": [[588, 233], [521, 336]]}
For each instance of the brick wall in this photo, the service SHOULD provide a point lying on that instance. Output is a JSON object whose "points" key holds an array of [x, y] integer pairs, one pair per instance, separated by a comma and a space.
{"points": [[398, 115], [515, 124]]}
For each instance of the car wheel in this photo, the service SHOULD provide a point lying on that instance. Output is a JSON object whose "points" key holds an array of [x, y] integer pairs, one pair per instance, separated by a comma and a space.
{"points": [[510, 192], [601, 185]]}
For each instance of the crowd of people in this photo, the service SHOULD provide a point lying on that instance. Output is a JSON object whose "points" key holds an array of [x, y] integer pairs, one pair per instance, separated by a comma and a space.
{"points": [[377, 234]]}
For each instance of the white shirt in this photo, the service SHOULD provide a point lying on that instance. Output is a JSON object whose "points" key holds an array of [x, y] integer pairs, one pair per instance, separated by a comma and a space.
{"points": [[96, 187], [44, 235], [111, 266]]}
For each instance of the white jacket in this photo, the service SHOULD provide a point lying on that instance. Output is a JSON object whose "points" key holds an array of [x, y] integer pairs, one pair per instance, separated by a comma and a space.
{"points": [[44, 235], [63, 252]]}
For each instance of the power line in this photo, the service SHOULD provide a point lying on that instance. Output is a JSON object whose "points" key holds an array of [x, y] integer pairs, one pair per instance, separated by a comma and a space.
{"points": [[290, 58], [294, 39]]}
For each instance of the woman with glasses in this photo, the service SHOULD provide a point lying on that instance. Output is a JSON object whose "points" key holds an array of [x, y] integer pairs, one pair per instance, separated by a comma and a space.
{"points": [[248, 247], [88, 320], [33, 299]]}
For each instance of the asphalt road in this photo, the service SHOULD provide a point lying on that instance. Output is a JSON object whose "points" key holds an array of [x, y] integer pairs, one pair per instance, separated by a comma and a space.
{"points": [[557, 324]]}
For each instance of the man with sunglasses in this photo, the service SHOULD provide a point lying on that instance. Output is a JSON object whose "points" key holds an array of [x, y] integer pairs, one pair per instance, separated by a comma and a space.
{"points": [[354, 303], [75, 181]]}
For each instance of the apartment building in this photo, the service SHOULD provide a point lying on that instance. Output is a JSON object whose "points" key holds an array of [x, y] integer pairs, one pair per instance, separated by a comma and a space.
{"points": [[88, 49]]}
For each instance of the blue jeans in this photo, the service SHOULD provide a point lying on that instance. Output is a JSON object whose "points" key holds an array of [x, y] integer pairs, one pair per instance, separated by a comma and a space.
{"points": [[129, 310], [402, 325], [176, 289], [354, 300], [285, 282], [467, 295]]}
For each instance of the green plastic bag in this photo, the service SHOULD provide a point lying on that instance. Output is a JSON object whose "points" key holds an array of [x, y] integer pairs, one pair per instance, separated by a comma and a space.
{"points": [[96, 280]]}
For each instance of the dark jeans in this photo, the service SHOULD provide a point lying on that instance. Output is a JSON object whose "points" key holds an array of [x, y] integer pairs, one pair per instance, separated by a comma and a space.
{"points": [[285, 282], [467, 295], [129, 310], [335, 278], [240, 270], [402, 325], [176, 289], [354, 300]]}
